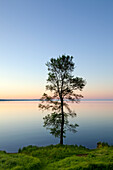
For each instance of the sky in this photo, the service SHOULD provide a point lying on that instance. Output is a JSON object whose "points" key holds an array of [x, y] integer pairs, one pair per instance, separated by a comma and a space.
{"points": [[33, 31]]}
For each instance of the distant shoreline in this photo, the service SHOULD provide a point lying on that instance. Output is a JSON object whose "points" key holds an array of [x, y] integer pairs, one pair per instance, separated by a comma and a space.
{"points": [[20, 100], [40, 100]]}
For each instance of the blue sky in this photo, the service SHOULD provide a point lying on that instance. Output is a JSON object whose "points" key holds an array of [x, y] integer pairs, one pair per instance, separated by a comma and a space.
{"points": [[33, 31]]}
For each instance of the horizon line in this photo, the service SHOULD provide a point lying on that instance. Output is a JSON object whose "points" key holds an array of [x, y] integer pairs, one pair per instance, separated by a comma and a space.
{"points": [[41, 100]]}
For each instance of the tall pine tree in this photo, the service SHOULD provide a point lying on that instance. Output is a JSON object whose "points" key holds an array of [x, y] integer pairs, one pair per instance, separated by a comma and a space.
{"points": [[62, 85]]}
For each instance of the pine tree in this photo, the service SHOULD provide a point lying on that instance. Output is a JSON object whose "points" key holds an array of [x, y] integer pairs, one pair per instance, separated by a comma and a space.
{"points": [[62, 85]]}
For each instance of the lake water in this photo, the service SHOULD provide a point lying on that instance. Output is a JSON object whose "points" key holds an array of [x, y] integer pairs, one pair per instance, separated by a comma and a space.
{"points": [[21, 124]]}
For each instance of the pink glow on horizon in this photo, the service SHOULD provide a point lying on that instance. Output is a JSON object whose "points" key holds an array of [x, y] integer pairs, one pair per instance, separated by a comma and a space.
{"points": [[36, 93]]}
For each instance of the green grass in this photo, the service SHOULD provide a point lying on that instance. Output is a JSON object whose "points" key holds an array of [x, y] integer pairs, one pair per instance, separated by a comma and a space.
{"points": [[66, 157], [18, 162]]}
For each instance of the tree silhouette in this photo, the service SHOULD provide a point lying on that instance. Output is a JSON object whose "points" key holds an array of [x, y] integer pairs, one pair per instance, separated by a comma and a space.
{"points": [[62, 85]]}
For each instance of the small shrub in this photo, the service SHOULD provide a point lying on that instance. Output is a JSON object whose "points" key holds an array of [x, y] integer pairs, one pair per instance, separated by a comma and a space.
{"points": [[102, 144], [19, 151]]}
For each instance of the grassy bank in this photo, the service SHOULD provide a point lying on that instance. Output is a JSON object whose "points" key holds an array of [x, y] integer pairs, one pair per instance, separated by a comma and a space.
{"points": [[67, 157]]}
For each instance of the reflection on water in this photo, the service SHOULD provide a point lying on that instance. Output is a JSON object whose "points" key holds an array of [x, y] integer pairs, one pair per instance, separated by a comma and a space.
{"points": [[21, 124]]}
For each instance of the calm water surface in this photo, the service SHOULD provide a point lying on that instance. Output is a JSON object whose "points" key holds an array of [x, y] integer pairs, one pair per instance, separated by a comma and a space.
{"points": [[21, 124]]}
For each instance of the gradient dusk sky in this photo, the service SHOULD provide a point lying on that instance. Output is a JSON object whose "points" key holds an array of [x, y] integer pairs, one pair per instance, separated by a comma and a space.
{"points": [[33, 31]]}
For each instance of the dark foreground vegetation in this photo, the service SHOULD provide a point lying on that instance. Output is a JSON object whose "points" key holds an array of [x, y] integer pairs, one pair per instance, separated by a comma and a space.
{"points": [[65, 157]]}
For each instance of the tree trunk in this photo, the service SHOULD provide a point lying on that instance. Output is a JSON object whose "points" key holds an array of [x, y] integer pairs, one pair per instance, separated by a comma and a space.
{"points": [[62, 123]]}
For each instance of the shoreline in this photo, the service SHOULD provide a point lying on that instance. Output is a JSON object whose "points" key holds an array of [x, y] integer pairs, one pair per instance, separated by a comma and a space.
{"points": [[68, 101]]}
